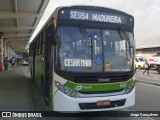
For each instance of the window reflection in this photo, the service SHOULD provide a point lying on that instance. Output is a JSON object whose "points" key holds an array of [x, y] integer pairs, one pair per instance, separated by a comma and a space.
{"points": [[77, 52], [117, 55]]}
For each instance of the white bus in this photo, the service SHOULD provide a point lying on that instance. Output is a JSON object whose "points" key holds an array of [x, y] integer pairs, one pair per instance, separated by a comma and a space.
{"points": [[83, 59]]}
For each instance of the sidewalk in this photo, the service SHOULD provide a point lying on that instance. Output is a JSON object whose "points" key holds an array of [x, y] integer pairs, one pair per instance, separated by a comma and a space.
{"points": [[36, 95], [14, 91]]}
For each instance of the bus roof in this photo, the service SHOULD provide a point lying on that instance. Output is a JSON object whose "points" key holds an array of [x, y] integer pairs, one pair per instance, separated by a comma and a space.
{"points": [[87, 8], [89, 15]]}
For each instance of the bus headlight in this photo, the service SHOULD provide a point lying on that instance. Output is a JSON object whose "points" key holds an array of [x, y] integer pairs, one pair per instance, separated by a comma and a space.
{"points": [[65, 89], [130, 88]]}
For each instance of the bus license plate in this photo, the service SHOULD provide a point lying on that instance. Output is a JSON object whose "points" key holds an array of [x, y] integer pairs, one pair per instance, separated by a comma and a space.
{"points": [[104, 103]]}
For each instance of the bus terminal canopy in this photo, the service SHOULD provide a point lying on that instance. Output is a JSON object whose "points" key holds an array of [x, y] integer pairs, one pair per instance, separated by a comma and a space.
{"points": [[18, 20]]}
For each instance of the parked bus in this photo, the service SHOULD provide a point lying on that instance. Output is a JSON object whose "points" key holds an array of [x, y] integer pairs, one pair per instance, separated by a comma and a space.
{"points": [[83, 59]]}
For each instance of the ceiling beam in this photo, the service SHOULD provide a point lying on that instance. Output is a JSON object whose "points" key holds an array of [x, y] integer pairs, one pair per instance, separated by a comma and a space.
{"points": [[9, 14], [16, 35], [14, 48], [18, 42], [21, 45], [18, 46], [16, 10], [15, 6], [17, 39], [42, 8], [15, 28], [43, 5]]}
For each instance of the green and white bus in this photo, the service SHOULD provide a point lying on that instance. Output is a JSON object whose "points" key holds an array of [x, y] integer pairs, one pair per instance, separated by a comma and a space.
{"points": [[83, 59]]}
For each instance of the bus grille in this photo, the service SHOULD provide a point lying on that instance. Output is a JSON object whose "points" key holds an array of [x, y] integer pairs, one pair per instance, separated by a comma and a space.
{"points": [[96, 79], [102, 92]]}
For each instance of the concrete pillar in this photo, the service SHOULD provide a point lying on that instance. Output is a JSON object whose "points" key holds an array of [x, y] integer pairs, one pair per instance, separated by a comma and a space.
{"points": [[8, 51], [1, 54], [5, 52], [12, 53], [9, 54]]}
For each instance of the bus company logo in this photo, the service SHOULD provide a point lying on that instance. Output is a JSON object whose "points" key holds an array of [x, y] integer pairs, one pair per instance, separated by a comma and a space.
{"points": [[123, 85], [78, 87], [103, 80]]}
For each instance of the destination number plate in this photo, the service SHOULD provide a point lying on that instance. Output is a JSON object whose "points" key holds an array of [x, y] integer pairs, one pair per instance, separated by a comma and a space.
{"points": [[104, 103]]}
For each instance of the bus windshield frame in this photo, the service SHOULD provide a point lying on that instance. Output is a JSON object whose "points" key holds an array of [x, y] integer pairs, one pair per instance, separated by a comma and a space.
{"points": [[90, 50]]}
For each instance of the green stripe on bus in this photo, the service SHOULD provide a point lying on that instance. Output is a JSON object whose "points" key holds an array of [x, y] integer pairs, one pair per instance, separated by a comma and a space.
{"points": [[82, 87]]}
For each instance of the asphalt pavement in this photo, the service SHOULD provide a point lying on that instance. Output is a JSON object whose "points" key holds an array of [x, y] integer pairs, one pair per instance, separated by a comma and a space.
{"points": [[153, 78]]}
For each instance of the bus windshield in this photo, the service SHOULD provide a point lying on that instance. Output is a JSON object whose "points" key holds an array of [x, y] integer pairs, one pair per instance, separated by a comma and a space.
{"points": [[93, 50]]}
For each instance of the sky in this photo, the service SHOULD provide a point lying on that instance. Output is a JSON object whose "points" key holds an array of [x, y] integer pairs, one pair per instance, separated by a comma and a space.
{"points": [[146, 15]]}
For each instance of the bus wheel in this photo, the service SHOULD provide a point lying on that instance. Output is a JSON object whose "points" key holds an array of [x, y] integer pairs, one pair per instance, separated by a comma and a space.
{"points": [[139, 67]]}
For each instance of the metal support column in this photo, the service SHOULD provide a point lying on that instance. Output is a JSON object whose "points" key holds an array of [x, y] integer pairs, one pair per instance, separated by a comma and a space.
{"points": [[5, 55], [8, 51], [1, 54]]}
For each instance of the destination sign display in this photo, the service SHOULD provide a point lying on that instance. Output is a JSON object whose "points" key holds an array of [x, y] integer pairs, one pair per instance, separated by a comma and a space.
{"points": [[96, 16]]}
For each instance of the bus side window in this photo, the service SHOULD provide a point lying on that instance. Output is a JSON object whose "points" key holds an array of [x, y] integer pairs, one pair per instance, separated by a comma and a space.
{"points": [[54, 36]]}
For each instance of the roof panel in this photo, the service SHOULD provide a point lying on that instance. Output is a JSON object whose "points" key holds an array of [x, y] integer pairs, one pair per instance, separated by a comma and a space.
{"points": [[26, 21], [7, 22], [29, 5], [6, 5], [25, 31], [11, 32]]}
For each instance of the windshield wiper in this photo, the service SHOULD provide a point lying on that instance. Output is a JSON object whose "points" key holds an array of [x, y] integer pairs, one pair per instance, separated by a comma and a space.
{"points": [[126, 37], [87, 38], [131, 46]]}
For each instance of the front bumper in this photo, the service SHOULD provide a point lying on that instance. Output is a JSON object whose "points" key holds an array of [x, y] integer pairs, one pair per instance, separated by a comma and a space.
{"points": [[64, 103]]}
